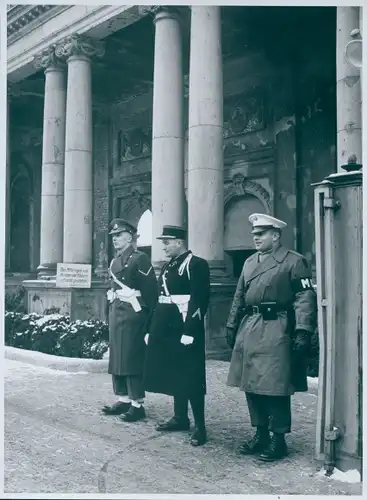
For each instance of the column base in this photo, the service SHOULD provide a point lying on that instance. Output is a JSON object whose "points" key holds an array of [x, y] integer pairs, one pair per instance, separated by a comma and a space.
{"points": [[217, 271], [46, 271]]}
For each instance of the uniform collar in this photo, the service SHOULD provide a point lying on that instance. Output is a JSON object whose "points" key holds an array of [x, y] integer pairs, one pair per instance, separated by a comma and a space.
{"points": [[178, 260]]}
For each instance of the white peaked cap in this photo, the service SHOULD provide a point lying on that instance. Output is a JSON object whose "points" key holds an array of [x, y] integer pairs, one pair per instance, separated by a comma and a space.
{"points": [[263, 221]]}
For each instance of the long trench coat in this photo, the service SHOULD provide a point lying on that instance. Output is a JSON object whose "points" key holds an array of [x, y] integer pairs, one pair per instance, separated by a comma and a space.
{"points": [[172, 368], [262, 359], [127, 328]]}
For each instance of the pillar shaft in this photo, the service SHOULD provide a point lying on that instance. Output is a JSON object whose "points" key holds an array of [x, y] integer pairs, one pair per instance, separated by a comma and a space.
{"points": [[78, 163], [348, 86], [168, 130], [53, 151], [205, 162], [78, 183]]}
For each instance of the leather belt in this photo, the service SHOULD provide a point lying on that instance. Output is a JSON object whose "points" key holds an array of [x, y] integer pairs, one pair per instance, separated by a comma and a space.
{"points": [[264, 308]]}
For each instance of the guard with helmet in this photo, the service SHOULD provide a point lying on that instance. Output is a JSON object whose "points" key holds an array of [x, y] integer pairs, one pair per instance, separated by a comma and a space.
{"points": [[132, 297], [175, 361], [272, 318]]}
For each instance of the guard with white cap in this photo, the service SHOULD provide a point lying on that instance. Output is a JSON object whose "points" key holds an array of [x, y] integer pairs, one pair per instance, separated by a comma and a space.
{"points": [[175, 361], [272, 317], [132, 297]]}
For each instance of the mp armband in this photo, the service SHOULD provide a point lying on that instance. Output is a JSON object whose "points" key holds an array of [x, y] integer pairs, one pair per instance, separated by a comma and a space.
{"points": [[302, 284]]}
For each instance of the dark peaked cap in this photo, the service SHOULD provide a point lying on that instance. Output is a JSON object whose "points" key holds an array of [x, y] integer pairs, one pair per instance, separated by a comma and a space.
{"points": [[122, 225], [173, 233]]}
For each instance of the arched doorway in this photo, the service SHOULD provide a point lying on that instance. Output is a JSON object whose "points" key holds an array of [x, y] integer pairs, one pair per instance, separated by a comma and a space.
{"points": [[144, 241], [238, 244]]}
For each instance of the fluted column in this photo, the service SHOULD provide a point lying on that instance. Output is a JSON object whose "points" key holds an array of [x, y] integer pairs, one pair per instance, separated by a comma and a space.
{"points": [[53, 152], [168, 128], [205, 162], [78, 204], [348, 88]]}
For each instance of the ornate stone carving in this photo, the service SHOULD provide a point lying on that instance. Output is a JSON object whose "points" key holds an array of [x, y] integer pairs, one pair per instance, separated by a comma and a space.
{"points": [[21, 15], [241, 186], [243, 114], [133, 144], [47, 59], [153, 10], [80, 45]]}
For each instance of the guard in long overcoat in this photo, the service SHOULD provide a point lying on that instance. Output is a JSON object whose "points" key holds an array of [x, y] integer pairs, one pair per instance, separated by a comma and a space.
{"points": [[175, 361], [270, 323], [132, 297]]}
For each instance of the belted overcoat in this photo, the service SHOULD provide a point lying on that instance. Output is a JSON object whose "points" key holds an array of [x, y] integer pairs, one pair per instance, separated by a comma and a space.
{"points": [[262, 359], [127, 327], [173, 368]]}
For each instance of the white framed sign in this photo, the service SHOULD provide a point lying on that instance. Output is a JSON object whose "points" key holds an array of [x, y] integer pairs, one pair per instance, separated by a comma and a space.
{"points": [[73, 275]]}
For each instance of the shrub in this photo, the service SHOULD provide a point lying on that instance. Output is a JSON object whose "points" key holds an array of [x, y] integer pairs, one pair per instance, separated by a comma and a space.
{"points": [[15, 300], [56, 334]]}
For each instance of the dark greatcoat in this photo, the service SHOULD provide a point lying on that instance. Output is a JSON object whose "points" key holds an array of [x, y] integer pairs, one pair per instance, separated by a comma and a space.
{"points": [[127, 328], [172, 368], [262, 359]]}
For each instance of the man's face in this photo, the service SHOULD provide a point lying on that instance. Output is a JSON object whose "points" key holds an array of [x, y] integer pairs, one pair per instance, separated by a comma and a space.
{"points": [[171, 247], [121, 240], [265, 240]]}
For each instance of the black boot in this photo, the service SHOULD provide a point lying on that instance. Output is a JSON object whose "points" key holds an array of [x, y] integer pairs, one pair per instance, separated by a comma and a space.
{"points": [[199, 436], [180, 421], [134, 414], [174, 424], [258, 443], [118, 408], [276, 450]]}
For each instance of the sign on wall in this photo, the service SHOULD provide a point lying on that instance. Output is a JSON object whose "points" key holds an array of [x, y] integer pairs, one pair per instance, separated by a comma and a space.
{"points": [[73, 275]]}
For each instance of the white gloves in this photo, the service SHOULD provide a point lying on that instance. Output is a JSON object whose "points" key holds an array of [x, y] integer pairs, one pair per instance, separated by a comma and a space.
{"points": [[186, 340], [146, 338], [111, 295]]}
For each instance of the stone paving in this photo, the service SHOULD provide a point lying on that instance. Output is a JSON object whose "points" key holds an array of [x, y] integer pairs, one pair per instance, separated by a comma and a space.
{"points": [[57, 441]]}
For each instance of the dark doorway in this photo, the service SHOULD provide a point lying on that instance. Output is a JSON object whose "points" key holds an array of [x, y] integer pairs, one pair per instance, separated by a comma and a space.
{"points": [[238, 258]]}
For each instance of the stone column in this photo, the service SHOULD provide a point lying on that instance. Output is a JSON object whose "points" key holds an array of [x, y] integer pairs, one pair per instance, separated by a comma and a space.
{"points": [[8, 185], [53, 152], [168, 128], [78, 185], [348, 87], [205, 162]]}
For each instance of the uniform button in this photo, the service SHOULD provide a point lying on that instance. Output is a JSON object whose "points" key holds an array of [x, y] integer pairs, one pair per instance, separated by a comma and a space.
{"points": [[125, 265]]}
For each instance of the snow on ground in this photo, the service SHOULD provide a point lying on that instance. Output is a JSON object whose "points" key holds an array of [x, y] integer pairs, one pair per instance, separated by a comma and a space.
{"points": [[350, 476], [12, 367]]}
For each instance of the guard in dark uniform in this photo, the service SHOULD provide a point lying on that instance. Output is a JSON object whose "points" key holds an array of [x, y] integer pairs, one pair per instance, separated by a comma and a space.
{"points": [[175, 360], [132, 297], [270, 323]]}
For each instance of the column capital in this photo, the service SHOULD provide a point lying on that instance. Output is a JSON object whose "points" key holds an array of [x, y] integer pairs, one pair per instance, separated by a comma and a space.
{"points": [[154, 10], [48, 59], [80, 45]]}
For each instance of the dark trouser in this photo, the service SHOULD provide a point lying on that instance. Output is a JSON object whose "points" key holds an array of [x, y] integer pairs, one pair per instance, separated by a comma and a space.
{"points": [[272, 412], [197, 402], [130, 385]]}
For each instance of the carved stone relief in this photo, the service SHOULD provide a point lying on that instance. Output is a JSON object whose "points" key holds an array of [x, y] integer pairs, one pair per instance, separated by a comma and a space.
{"points": [[241, 186], [133, 144]]}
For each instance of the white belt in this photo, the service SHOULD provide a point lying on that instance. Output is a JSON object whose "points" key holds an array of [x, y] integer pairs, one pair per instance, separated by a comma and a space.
{"points": [[181, 301], [130, 298]]}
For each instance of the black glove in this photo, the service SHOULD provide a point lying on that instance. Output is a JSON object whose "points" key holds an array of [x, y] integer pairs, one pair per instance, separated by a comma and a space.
{"points": [[301, 342], [231, 337]]}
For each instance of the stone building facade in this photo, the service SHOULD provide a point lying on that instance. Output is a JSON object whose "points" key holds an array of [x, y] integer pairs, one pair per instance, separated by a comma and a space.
{"points": [[201, 115]]}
